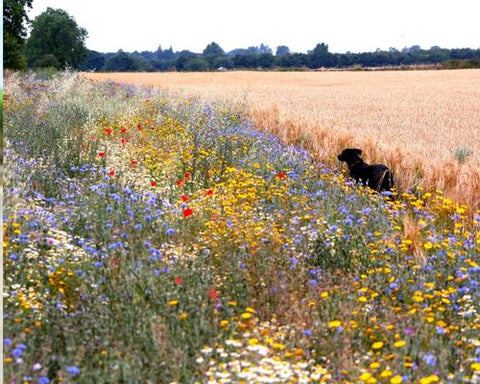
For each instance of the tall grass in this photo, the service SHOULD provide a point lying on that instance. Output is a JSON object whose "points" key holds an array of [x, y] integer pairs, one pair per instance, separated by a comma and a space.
{"points": [[183, 245]]}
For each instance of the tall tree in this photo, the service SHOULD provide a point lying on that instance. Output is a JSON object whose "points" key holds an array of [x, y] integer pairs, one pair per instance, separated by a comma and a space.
{"points": [[15, 19], [213, 49], [320, 57], [282, 50], [56, 40]]}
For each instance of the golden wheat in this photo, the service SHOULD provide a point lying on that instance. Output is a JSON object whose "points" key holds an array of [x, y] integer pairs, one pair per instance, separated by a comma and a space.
{"points": [[424, 124]]}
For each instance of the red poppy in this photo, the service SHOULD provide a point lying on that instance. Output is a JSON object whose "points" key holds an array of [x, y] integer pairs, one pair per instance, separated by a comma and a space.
{"points": [[178, 280], [187, 175], [124, 141], [187, 212], [101, 154], [123, 130], [179, 182], [153, 183], [185, 198], [134, 162], [139, 127], [111, 173], [209, 192], [281, 175], [108, 131], [213, 294]]}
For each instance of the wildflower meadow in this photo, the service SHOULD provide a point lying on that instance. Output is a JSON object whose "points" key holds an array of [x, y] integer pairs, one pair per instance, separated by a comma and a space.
{"points": [[150, 237]]}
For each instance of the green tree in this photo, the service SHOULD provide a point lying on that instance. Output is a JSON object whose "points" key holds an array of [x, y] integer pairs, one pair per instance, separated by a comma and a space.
{"points": [[282, 50], [320, 57], [56, 40], [14, 32], [213, 49], [124, 62], [95, 61]]}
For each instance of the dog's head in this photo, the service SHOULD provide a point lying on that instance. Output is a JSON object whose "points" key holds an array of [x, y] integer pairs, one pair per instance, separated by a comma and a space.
{"points": [[350, 155]]}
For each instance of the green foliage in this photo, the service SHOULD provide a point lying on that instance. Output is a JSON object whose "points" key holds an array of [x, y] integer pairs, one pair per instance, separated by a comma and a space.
{"points": [[15, 19], [282, 50], [94, 61], [213, 49], [56, 40], [123, 62], [461, 154]]}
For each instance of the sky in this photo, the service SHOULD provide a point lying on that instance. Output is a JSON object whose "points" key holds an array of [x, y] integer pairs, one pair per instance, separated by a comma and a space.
{"points": [[344, 25]]}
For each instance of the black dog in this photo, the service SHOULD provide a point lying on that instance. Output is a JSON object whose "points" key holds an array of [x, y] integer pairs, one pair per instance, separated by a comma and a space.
{"points": [[376, 176]]}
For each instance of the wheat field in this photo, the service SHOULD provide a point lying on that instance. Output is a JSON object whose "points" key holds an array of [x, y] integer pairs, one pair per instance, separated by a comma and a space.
{"points": [[424, 124]]}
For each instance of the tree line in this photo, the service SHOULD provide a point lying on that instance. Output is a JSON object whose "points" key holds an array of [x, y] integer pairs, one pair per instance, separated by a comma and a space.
{"points": [[261, 57], [57, 41]]}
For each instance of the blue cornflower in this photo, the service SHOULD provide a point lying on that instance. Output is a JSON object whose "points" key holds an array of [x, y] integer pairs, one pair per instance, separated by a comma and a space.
{"points": [[73, 370], [170, 231], [430, 359]]}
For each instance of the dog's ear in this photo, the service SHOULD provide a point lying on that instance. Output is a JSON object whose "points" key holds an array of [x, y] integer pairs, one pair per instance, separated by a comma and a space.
{"points": [[357, 151]]}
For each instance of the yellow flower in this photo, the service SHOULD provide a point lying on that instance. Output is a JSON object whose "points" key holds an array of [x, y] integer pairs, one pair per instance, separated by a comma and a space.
{"points": [[377, 345], [246, 316], [396, 379], [429, 379], [399, 343], [362, 299], [173, 302], [334, 324], [365, 376], [183, 316], [428, 245], [475, 366], [386, 373]]}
